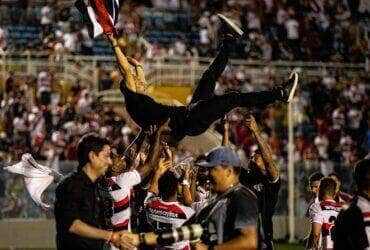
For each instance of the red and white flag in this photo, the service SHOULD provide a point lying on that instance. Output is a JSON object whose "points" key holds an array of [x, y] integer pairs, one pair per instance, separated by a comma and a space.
{"points": [[100, 15]]}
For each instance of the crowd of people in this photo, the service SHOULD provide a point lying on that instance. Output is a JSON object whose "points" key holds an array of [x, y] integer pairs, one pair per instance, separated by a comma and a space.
{"points": [[274, 30], [155, 187], [46, 119]]}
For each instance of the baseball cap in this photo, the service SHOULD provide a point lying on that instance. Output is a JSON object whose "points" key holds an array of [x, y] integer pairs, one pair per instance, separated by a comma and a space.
{"points": [[223, 156]]}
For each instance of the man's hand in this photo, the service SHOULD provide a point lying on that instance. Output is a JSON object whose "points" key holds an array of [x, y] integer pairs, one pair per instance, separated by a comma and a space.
{"points": [[186, 171], [251, 123], [112, 40], [144, 152], [167, 151], [129, 240], [124, 240], [225, 122], [131, 156], [194, 173], [165, 127], [133, 62], [163, 166]]}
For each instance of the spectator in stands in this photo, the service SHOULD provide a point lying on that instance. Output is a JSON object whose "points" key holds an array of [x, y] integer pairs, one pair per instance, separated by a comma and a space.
{"points": [[47, 14], [3, 38], [44, 87]]}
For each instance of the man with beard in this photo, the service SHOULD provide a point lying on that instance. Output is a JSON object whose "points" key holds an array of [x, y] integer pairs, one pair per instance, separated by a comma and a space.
{"points": [[263, 178]]}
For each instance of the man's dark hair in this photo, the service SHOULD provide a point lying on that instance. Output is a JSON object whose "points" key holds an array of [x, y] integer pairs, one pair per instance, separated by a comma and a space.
{"points": [[88, 143], [336, 175], [327, 187], [167, 185], [362, 174], [315, 177]]}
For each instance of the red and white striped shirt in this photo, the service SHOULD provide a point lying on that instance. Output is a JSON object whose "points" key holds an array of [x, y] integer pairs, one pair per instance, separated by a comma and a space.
{"points": [[326, 213], [165, 215], [121, 189]]}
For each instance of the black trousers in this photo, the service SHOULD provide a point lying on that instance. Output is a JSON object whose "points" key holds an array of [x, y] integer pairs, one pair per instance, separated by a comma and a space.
{"points": [[203, 110]]}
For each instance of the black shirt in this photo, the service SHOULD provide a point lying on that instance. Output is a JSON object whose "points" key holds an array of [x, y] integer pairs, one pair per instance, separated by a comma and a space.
{"points": [[229, 212], [350, 228], [267, 193], [77, 197], [145, 112]]}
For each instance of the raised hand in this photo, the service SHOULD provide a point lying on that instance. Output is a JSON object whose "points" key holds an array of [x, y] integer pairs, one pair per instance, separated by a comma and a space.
{"points": [[131, 156], [144, 154], [165, 127], [251, 123], [167, 151], [163, 166], [225, 122]]}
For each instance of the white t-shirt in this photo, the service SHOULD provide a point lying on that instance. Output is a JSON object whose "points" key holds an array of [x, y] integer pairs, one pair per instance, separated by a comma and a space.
{"points": [[354, 118], [46, 15], [166, 215], [325, 214], [43, 82], [291, 26], [121, 189]]}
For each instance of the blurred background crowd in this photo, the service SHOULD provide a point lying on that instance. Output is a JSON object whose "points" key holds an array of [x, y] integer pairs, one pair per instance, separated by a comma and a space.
{"points": [[46, 117], [304, 30]]}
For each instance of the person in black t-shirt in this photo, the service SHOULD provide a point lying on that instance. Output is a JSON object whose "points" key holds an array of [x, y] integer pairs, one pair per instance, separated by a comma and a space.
{"points": [[234, 210], [352, 227], [263, 178], [78, 210]]}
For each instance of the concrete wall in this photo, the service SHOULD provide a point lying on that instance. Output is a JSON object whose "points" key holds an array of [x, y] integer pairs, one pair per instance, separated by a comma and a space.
{"points": [[40, 233]]}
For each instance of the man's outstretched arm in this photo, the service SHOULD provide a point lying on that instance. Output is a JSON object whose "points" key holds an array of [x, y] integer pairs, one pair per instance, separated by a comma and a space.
{"points": [[138, 68], [271, 169], [123, 64]]}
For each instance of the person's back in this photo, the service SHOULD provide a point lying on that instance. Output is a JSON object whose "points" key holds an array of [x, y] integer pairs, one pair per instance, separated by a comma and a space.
{"points": [[327, 212], [165, 211], [166, 215]]}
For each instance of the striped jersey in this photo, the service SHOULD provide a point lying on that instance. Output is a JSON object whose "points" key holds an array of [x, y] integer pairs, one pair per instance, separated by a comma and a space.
{"points": [[166, 215], [325, 214], [121, 189]]}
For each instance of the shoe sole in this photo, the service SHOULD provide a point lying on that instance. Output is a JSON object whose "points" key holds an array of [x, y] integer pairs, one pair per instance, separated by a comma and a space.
{"points": [[231, 24], [295, 83]]}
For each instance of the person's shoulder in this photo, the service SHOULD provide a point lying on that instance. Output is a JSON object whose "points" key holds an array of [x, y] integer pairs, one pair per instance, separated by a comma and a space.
{"points": [[350, 211], [70, 181], [315, 208], [243, 193]]}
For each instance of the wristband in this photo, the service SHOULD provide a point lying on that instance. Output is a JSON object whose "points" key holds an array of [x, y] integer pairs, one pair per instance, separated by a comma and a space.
{"points": [[185, 182]]}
